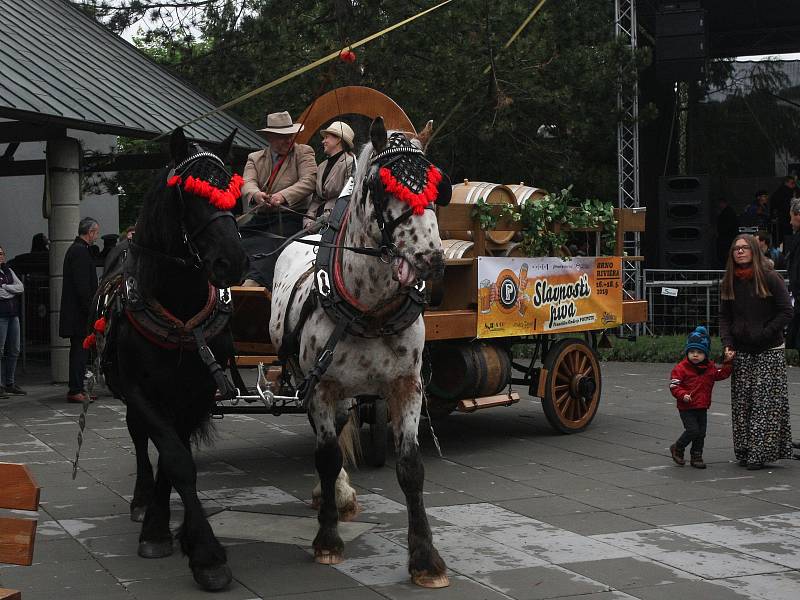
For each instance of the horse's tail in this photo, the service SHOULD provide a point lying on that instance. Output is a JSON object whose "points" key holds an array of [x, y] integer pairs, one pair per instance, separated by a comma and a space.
{"points": [[350, 440]]}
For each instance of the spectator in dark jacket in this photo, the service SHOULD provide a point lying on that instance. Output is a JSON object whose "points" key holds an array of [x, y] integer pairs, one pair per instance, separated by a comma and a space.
{"points": [[754, 310], [80, 284], [779, 207], [10, 292], [792, 251]]}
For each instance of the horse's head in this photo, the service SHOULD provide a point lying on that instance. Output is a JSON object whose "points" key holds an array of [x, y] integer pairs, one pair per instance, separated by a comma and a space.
{"points": [[399, 188], [206, 192]]}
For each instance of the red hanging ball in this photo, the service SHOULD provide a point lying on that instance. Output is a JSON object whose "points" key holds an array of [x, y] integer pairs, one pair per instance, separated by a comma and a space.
{"points": [[347, 56]]}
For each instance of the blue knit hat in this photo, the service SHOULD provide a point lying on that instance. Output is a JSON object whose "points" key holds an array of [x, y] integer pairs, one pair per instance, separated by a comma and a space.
{"points": [[698, 340]]}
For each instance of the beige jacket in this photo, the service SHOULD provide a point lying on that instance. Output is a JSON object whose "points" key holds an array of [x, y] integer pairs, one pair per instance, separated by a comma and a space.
{"points": [[326, 195], [295, 180]]}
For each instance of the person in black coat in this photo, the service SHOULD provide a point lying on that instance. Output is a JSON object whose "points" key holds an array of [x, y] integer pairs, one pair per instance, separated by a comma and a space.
{"points": [[80, 284], [779, 203]]}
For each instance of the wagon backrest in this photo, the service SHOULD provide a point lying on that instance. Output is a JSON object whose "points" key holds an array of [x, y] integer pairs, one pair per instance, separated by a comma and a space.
{"points": [[18, 491]]}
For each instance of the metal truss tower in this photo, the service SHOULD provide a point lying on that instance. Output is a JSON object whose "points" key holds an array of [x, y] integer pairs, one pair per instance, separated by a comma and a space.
{"points": [[628, 156]]}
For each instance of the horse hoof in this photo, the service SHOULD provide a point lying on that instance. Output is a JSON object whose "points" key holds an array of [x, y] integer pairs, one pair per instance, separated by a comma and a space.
{"points": [[213, 579], [431, 581], [137, 513], [326, 557], [155, 549]]}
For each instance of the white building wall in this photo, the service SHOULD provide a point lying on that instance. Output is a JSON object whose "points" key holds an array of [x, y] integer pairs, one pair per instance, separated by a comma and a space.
{"points": [[21, 197]]}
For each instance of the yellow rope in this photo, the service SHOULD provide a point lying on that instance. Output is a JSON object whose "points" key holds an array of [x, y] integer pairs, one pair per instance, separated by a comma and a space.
{"points": [[311, 66], [488, 68]]}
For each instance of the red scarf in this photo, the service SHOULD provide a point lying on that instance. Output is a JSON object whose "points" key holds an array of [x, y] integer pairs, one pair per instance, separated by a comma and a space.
{"points": [[745, 273]]}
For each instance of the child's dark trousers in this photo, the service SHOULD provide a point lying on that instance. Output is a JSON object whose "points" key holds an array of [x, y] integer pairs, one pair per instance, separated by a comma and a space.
{"points": [[694, 421]]}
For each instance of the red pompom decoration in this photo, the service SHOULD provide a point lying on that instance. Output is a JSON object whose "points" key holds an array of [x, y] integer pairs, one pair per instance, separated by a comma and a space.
{"points": [[347, 56], [100, 325], [417, 201], [89, 341], [222, 199]]}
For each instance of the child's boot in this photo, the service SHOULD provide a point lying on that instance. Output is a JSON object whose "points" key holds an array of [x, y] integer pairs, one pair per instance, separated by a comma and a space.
{"points": [[696, 460], [677, 454]]}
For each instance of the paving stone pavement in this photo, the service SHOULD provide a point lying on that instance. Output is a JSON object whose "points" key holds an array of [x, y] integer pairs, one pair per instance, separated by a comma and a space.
{"points": [[517, 511]]}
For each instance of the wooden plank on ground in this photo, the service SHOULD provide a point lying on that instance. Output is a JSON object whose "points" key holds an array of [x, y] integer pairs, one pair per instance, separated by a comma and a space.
{"points": [[16, 540], [10, 594], [18, 488]]}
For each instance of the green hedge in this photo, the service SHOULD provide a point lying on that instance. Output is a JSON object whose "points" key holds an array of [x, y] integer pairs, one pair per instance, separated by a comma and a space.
{"points": [[665, 348]]}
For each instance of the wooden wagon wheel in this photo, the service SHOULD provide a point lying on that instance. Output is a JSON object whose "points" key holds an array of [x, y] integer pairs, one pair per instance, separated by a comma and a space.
{"points": [[573, 385], [353, 100]]}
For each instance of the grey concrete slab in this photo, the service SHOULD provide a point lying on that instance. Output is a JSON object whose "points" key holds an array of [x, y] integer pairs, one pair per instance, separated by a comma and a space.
{"points": [[572, 517], [738, 507], [668, 514], [781, 586], [707, 590], [615, 498], [547, 505], [595, 522], [541, 582], [300, 578], [461, 588], [630, 572]]}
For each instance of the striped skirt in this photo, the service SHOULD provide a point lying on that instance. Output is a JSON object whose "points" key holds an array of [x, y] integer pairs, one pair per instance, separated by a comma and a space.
{"points": [[760, 407]]}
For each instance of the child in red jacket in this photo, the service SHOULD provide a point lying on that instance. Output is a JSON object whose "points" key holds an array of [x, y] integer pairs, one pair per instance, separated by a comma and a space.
{"points": [[692, 381]]}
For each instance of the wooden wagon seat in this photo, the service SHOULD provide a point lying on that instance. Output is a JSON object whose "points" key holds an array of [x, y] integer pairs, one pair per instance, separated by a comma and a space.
{"points": [[18, 491]]}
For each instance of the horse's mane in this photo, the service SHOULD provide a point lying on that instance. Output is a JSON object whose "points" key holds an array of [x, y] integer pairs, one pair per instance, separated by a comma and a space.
{"points": [[363, 167], [158, 227]]}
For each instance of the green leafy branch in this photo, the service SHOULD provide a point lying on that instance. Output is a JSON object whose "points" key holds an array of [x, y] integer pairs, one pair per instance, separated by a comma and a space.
{"points": [[538, 217]]}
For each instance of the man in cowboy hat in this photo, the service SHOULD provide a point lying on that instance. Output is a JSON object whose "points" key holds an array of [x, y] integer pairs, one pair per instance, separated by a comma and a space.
{"points": [[278, 182]]}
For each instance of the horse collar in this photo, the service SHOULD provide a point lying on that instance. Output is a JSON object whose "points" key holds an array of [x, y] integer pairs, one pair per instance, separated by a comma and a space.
{"points": [[163, 329]]}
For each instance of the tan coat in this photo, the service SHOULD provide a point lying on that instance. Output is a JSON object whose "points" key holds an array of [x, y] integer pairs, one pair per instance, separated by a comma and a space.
{"points": [[326, 195], [295, 180]]}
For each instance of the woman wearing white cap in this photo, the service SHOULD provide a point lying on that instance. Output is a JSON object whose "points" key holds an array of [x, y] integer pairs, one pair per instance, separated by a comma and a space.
{"points": [[333, 172]]}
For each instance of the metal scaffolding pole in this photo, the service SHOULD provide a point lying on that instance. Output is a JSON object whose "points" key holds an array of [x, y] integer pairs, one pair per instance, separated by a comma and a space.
{"points": [[628, 156]]}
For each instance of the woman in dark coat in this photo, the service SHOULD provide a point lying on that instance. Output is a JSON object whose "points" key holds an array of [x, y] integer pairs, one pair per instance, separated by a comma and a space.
{"points": [[754, 310], [80, 284]]}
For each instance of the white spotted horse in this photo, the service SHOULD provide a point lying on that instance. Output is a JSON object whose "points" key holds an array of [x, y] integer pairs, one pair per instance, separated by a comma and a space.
{"points": [[347, 317], [163, 327]]}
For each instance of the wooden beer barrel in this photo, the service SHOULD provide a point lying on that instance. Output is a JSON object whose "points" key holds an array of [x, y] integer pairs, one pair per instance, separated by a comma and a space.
{"points": [[525, 193], [468, 370], [458, 249], [470, 192]]}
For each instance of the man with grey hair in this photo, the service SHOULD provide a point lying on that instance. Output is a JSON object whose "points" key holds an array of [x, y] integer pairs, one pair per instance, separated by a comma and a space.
{"points": [[80, 284]]}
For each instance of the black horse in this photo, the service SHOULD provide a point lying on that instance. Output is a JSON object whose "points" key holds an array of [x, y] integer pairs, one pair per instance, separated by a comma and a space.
{"points": [[164, 308]]}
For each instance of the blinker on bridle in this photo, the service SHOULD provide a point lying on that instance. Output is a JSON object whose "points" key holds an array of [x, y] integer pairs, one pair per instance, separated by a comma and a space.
{"points": [[202, 174], [404, 172]]}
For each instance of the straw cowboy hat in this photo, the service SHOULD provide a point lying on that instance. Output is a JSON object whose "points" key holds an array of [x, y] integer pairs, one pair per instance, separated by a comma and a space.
{"points": [[340, 130], [281, 123]]}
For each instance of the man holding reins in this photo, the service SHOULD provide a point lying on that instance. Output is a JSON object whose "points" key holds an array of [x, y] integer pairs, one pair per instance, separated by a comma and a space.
{"points": [[278, 183]]}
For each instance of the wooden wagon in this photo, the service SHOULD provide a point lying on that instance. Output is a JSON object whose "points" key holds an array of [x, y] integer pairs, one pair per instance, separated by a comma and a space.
{"points": [[464, 369]]}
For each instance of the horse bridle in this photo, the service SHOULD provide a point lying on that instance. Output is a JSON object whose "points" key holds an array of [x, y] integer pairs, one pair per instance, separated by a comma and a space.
{"points": [[217, 174], [385, 159]]}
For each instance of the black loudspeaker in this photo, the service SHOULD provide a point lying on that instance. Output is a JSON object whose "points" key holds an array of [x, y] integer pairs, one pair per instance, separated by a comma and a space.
{"points": [[681, 48], [686, 223]]}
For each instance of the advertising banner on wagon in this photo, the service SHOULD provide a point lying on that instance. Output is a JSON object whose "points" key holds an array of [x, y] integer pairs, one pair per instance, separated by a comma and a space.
{"points": [[525, 296]]}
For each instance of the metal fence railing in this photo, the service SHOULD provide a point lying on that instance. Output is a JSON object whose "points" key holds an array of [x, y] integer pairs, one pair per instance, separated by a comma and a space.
{"points": [[678, 301], [35, 317]]}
